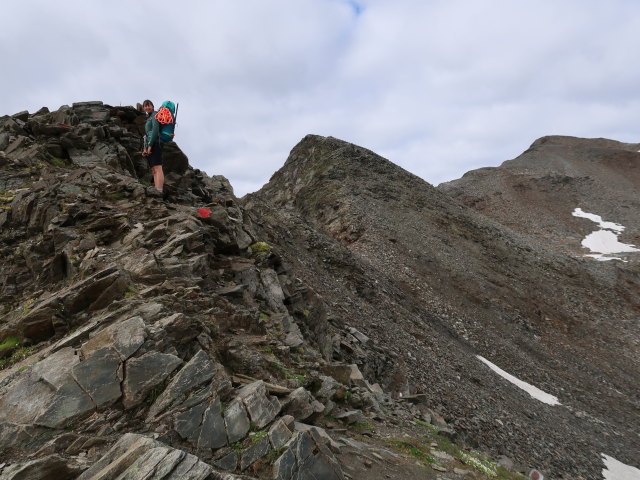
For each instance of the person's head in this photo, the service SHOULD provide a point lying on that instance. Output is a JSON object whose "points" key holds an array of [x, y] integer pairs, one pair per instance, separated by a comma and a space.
{"points": [[147, 106]]}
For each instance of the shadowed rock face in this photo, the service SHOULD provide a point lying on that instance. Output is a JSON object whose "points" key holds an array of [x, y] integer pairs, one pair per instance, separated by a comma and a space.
{"points": [[438, 284], [189, 336]]}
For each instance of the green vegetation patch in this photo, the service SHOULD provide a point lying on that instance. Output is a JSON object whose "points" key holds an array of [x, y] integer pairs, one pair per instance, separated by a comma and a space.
{"points": [[260, 247], [57, 161], [115, 196], [362, 427], [413, 448], [9, 342], [17, 356], [255, 436]]}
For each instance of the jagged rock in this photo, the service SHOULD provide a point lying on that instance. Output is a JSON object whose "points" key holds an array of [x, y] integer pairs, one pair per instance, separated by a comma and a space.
{"points": [[306, 458], [345, 374], [272, 290], [14, 435], [227, 462], [188, 423], [136, 457], [197, 371], [213, 434], [51, 466], [125, 337], [144, 373], [301, 404], [260, 407], [96, 292], [351, 416], [69, 403], [46, 394], [236, 421], [254, 452], [279, 433]]}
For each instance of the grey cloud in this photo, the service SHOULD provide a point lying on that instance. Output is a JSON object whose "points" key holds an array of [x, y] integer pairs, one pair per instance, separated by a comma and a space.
{"points": [[438, 87]]}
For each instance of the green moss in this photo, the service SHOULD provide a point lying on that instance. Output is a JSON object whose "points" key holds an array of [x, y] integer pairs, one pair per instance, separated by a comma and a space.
{"points": [[58, 162], [17, 356], [267, 349], [131, 291], [294, 376], [433, 430], [307, 314], [115, 196], [9, 342], [254, 437], [362, 427], [6, 198], [273, 454], [26, 308], [260, 247], [237, 447]]}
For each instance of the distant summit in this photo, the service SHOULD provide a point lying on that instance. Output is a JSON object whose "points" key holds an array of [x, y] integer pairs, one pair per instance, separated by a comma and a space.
{"points": [[537, 192]]}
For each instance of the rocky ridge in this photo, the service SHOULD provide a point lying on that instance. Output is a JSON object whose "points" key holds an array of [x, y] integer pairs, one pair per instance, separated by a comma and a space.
{"points": [[170, 338], [439, 284]]}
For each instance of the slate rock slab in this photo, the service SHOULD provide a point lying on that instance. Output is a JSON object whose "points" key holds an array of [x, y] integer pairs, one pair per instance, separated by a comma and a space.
{"points": [[136, 457], [196, 372], [261, 408], [100, 376], [143, 373], [236, 421], [213, 434]]}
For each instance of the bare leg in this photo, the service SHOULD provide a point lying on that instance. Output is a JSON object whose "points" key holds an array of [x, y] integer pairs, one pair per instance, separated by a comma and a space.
{"points": [[158, 176]]}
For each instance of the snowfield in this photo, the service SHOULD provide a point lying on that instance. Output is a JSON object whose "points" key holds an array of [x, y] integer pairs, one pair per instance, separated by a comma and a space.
{"points": [[615, 470], [604, 241], [535, 392]]}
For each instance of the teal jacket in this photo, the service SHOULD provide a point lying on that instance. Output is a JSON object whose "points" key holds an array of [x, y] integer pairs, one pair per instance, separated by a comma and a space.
{"points": [[152, 129]]}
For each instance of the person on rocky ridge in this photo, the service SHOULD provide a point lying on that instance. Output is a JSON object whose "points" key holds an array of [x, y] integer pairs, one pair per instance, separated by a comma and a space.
{"points": [[153, 145]]}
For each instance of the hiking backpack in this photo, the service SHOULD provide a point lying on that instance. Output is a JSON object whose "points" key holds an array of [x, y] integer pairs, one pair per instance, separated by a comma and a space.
{"points": [[166, 117]]}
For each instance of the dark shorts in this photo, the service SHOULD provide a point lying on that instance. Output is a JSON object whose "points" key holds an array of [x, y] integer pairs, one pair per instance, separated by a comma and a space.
{"points": [[155, 157]]}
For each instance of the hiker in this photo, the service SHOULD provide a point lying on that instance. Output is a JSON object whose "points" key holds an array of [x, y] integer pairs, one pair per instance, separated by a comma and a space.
{"points": [[153, 145]]}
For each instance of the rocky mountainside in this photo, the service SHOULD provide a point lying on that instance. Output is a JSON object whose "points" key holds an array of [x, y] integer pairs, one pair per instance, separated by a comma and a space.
{"points": [[438, 284], [144, 337], [537, 192], [328, 326]]}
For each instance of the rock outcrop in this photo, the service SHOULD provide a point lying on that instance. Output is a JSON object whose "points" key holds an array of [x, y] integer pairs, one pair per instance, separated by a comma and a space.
{"points": [[325, 327]]}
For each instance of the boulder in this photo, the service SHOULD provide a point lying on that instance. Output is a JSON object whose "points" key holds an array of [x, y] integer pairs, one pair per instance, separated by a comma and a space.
{"points": [[261, 408], [307, 458], [301, 404], [197, 371]]}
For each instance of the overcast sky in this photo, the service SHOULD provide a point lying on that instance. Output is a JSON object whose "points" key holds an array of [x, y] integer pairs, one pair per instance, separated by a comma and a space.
{"points": [[439, 87]]}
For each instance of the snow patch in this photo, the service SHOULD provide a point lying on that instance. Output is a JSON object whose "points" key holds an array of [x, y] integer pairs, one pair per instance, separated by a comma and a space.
{"points": [[604, 241], [535, 392], [615, 470]]}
